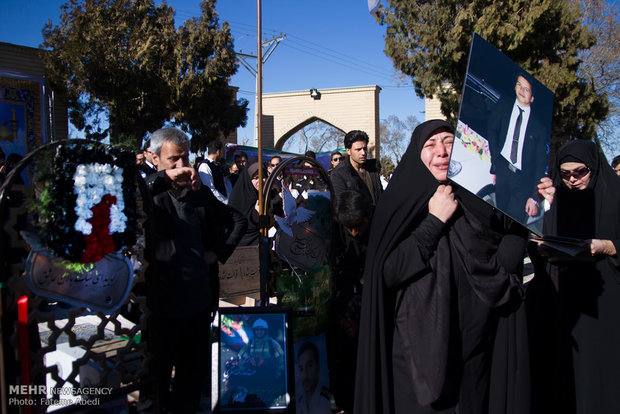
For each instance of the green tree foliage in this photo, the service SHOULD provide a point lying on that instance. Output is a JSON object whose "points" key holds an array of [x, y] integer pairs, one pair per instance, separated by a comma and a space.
{"points": [[124, 62], [429, 41], [387, 167], [203, 102]]}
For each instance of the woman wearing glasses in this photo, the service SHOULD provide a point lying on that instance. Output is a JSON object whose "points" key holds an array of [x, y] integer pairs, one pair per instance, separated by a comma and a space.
{"points": [[335, 160], [574, 305]]}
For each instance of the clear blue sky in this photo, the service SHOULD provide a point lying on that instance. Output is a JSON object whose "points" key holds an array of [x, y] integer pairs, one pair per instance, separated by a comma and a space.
{"points": [[329, 44]]}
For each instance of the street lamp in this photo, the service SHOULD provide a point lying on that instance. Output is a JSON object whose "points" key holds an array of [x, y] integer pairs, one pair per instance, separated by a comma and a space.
{"points": [[315, 94]]}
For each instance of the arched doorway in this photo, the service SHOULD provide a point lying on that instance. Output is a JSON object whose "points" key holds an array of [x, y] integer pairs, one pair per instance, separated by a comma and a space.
{"points": [[284, 113]]}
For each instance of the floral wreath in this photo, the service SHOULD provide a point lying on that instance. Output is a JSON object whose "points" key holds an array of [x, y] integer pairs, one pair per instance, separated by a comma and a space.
{"points": [[86, 202]]}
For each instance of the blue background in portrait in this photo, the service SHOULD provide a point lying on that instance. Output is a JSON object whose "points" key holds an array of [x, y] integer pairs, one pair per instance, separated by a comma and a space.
{"points": [[490, 75]]}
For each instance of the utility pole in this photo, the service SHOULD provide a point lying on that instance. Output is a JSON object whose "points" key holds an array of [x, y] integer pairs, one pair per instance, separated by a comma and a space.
{"points": [[262, 219], [266, 49]]}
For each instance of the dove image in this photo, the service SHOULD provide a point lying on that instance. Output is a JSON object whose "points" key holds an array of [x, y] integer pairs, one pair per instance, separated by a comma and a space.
{"points": [[293, 213]]}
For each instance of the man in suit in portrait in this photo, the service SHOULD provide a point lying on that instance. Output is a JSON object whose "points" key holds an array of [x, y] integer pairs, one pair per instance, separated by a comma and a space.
{"points": [[518, 145]]}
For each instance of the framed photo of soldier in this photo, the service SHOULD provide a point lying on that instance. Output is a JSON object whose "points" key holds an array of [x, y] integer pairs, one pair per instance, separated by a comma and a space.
{"points": [[254, 361]]}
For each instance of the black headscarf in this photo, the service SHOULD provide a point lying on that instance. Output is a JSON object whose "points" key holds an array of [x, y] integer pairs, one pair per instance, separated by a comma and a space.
{"points": [[400, 209], [243, 198], [590, 213]]}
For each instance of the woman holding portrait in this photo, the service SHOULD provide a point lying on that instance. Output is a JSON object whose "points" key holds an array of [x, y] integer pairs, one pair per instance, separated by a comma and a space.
{"points": [[442, 269]]}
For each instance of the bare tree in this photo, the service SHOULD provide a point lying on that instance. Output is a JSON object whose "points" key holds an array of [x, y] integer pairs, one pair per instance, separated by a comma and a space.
{"points": [[317, 136], [601, 64], [395, 136]]}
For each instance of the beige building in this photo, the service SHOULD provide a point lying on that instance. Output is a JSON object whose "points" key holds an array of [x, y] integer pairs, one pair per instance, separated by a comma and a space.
{"points": [[285, 113], [432, 109]]}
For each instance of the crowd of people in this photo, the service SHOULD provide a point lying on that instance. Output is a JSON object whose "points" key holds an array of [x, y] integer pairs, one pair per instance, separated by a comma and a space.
{"points": [[431, 313]]}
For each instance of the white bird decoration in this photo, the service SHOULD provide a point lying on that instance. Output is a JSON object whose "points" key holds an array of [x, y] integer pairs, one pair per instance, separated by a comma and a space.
{"points": [[293, 213]]}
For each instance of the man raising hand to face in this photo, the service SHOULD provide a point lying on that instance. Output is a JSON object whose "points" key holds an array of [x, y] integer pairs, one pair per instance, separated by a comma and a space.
{"points": [[173, 158]]}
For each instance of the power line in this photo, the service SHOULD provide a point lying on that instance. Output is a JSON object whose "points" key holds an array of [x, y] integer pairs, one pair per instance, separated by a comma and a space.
{"points": [[317, 50], [335, 61], [338, 54], [268, 48], [244, 92], [240, 30], [333, 56]]}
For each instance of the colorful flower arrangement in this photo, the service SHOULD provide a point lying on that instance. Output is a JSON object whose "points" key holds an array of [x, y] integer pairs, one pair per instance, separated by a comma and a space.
{"points": [[85, 201], [231, 323], [235, 328], [473, 142]]}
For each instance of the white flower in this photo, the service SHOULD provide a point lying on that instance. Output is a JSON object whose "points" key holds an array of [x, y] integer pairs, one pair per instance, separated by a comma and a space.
{"points": [[91, 183], [84, 213], [83, 226], [80, 181], [117, 219], [109, 181]]}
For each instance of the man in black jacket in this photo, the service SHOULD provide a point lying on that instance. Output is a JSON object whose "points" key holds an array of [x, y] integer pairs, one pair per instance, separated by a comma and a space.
{"points": [[356, 173], [147, 167], [188, 232], [212, 174]]}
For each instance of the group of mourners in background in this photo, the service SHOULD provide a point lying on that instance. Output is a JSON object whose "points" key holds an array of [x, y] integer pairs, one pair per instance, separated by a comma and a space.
{"points": [[431, 313]]}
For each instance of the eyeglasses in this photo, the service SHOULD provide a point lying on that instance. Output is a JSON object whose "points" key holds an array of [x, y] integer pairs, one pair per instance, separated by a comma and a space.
{"points": [[337, 159], [274, 165], [577, 174]]}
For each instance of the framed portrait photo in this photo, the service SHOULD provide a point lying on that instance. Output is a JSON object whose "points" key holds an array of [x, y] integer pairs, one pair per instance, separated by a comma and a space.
{"points": [[502, 138], [255, 367]]}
